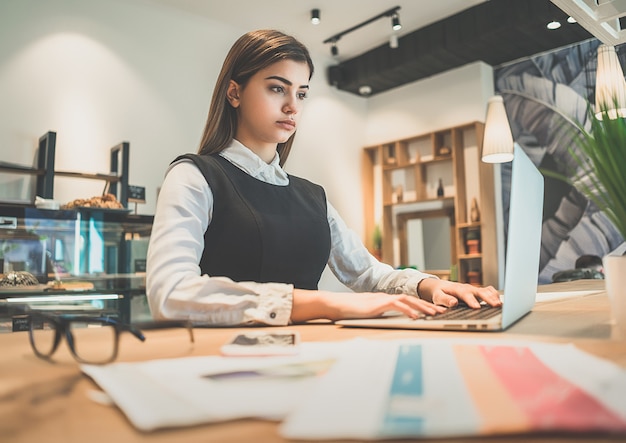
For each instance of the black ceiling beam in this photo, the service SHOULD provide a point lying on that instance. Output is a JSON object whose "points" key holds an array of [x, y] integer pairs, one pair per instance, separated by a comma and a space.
{"points": [[495, 32]]}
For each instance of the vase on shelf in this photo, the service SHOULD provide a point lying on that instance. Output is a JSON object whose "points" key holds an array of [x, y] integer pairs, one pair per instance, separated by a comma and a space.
{"points": [[474, 211], [472, 241], [440, 189], [397, 195], [444, 151]]}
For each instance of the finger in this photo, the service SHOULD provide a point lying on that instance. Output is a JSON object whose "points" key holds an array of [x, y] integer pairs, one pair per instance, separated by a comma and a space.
{"points": [[487, 294], [470, 299], [463, 292], [471, 294], [403, 308], [441, 298], [490, 295], [423, 306]]}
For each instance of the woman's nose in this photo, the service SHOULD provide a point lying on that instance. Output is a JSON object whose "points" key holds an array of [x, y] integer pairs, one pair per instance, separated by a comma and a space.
{"points": [[291, 105]]}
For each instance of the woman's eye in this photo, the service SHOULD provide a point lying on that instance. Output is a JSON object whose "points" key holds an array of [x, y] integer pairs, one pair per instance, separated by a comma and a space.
{"points": [[302, 95], [278, 89]]}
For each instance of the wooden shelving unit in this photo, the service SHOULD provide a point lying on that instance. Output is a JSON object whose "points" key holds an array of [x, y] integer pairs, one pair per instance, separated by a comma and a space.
{"points": [[400, 183]]}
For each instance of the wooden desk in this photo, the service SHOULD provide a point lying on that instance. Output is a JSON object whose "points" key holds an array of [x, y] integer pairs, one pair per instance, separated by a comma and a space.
{"points": [[44, 402]]}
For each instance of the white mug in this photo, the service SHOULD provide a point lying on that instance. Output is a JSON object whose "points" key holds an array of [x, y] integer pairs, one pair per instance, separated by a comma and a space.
{"points": [[615, 272]]}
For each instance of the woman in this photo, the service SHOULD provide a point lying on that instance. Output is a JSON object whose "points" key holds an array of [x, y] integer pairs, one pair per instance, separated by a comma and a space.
{"points": [[236, 240]]}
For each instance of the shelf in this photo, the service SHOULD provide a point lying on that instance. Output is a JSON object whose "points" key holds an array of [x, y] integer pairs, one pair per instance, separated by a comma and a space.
{"points": [[422, 205], [468, 225], [422, 162], [106, 177], [395, 167], [470, 256], [45, 171], [438, 159], [400, 183], [19, 169]]}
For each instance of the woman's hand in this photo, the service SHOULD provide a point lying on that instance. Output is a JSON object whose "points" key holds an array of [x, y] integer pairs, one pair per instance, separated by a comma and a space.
{"points": [[447, 293], [310, 305]]}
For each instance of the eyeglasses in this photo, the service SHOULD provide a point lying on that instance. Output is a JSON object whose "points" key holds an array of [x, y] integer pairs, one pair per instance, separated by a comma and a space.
{"points": [[92, 340]]}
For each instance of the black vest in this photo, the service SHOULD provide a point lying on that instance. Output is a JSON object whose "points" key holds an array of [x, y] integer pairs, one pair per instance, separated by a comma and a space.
{"points": [[262, 232]]}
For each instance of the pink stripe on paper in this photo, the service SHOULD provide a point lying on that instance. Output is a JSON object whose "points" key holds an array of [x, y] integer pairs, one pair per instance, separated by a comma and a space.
{"points": [[550, 401]]}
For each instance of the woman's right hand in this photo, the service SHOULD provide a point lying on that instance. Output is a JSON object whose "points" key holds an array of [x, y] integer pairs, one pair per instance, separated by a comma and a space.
{"points": [[311, 305]]}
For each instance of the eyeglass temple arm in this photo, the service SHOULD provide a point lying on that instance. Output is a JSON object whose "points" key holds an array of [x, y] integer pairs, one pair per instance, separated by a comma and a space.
{"points": [[136, 332], [158, 324], [124, 326]]}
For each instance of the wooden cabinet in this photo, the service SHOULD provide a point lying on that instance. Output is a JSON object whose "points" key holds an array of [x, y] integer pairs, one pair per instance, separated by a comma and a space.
{"points": [[419, 194]]}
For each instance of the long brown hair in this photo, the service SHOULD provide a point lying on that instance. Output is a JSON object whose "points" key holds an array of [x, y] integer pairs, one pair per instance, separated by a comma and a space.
{"points": [[252, 52]]}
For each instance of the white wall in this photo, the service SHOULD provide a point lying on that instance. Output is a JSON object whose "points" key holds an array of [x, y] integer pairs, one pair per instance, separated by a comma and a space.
{"points": [[448, 99], [99, 73]]}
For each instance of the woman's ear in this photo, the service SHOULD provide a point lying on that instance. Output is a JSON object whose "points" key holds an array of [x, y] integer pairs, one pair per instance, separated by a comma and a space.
{"points": [[232, 93]]}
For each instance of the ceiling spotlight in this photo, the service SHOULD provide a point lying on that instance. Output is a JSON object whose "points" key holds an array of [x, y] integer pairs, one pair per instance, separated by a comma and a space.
{"points": [[553, 25], [393, 41], [395, 22], [315, 16], [571, 19], [333, 50], [365, 90]]}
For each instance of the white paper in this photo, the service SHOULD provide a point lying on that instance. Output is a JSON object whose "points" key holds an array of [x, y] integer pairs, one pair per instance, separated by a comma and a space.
{"points": [[175, 392], [382, 390], [356, 400]]}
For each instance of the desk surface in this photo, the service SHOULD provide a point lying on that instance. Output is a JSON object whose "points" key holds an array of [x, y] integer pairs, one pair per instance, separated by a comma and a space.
{"points": [[44, 402]]}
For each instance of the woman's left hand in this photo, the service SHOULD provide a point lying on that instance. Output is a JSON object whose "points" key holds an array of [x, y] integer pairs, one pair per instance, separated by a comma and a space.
{"points": [[447, 293]]}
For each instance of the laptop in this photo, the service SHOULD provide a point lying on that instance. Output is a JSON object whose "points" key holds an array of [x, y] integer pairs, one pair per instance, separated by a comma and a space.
{"points": [[521, 269]]}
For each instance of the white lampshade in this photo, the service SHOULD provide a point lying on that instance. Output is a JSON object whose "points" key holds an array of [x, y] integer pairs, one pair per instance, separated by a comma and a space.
{"points": [[610, 84], [498, 140]]}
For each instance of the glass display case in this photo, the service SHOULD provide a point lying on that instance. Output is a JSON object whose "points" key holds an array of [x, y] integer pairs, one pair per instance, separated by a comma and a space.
{"points": [[86, 259]]}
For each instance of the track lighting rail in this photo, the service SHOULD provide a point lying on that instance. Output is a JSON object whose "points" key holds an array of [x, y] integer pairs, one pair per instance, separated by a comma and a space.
{"points": [[389, 13]]}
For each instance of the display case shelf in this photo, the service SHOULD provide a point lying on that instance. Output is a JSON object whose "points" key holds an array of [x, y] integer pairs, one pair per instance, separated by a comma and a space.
{"points": [[100, 251]]}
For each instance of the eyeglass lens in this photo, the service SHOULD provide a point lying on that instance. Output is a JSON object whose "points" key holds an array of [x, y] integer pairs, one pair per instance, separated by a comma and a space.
{"points": [[91, 341], [43, 334], [94, 342]]}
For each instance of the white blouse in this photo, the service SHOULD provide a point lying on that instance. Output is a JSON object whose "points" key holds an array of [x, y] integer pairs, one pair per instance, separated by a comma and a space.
{"points": [[175, 288]]}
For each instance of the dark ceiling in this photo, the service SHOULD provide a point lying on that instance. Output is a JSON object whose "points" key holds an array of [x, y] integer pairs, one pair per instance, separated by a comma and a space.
{"points": [[495, 32]]}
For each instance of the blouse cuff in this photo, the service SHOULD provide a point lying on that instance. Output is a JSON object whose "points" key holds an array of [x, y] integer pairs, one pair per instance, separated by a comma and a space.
{"points": [[274, 307], [409, 286]]}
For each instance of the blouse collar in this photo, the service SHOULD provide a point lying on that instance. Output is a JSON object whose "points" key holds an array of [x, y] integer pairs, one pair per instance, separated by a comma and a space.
{"points": [[246, 160]]}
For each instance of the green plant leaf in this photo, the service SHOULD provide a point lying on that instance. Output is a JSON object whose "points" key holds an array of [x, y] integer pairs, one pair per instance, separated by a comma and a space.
{"points": [[602, 163]]}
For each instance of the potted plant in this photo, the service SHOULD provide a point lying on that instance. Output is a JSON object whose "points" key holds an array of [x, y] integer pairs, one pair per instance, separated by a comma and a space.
{"points": [[602, 179], [472, 241]]}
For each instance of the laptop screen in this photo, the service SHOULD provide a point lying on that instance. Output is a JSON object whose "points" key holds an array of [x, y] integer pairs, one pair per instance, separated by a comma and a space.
{"points": [[523, 238]]}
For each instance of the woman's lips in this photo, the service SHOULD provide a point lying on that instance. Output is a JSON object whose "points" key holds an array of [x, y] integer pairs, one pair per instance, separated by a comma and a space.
{"points": [[289, 125]]}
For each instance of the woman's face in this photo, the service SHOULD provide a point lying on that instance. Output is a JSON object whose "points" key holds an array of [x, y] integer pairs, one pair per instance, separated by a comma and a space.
{"points": [[269, 104]]}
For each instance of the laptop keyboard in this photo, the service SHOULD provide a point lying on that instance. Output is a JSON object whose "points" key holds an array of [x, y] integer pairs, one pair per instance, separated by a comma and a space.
{"points": [[466, 313]]}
